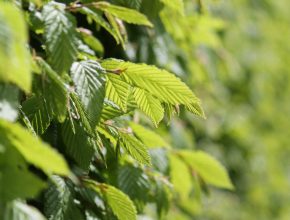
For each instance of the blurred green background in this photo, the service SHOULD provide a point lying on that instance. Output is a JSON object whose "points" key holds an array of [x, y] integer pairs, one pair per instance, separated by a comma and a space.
{"points": [[235, 55]]}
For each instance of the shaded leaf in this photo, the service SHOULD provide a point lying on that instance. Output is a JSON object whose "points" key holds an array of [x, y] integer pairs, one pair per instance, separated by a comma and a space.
{"points": [[59, 202], [60, 35], [39, 115], [90, 87], [78, 144]]}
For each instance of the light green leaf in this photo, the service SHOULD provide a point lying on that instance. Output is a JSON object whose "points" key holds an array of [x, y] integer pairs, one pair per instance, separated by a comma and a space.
{"points": [[90, 87], [117, 90], [91, 41], [160, 83], [97, 18], [211, 170], [118, 28], [125, 14], [149, 104], [176, 5], [135, 148], [18, 183], [14, 55], [60, 35], [118, 201], [147, 136], [180, 176], [32, 149]]}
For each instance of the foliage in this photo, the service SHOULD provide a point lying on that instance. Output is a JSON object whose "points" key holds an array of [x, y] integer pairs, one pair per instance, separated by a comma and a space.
{"points": [[97, 122]]}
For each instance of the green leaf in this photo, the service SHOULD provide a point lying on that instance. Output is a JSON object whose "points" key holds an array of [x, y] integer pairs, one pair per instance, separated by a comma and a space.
{"points": [[176, 5], [125, 14], [59, 202], [32, 149], [136, 4], [110, 112], [180, 176], [150, 105], [147, 136], [78, 112], [117, 90], [60, 35], [78, 144], [163, 198], [18, 183], [97, 18], [135, 148], [54, 91], [118, 28], [18, 210], [90, 87], [91, 41], [208, 168], [39, 115], [9, 102], [119, 202], [133, 182], [14, 55], [160, 83]]}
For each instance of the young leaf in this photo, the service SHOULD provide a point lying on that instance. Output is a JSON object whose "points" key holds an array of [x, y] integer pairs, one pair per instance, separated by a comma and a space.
{"points": [[135, 148], [125, 14], [117, 90], [160, 83], [176, 5], [119, 202], [150, 105], [32, 149], [180, 176], [147, 136], [60, 35], [90, 87], [91, 41], [208, 168], [14, 55], [93, 15]]}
